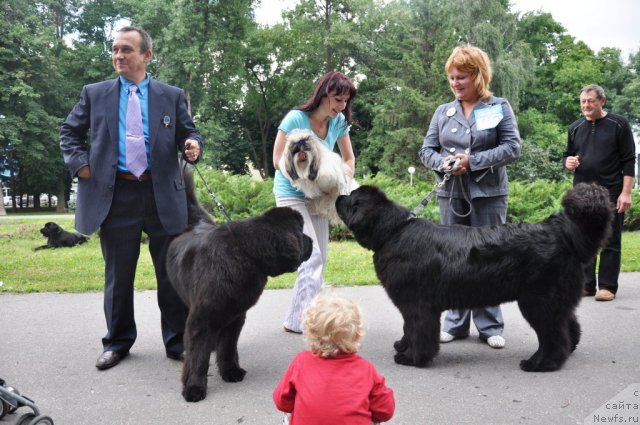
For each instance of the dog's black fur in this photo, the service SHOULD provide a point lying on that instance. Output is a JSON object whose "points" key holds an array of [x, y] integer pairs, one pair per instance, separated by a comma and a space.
{"points": [[57, 237], [220, 271], [427, 268]]}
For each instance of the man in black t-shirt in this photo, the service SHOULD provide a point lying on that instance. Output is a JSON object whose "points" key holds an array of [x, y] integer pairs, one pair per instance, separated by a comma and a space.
{"points": [[601, 149]]}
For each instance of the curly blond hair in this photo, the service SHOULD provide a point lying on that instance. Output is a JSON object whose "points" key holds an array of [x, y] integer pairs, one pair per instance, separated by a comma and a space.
{"points": [[332, 325]]}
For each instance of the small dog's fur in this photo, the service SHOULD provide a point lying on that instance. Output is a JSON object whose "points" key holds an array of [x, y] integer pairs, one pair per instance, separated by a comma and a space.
{"points": [[57, 237], [315, 171], [219, 272], [427, 268]]}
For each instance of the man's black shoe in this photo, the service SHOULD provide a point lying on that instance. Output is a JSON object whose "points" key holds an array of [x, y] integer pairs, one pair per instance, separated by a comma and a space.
{"points": [[109, 359]]}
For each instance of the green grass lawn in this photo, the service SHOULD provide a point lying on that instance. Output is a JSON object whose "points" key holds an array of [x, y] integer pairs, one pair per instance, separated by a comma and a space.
{"points": [[80, 269]]}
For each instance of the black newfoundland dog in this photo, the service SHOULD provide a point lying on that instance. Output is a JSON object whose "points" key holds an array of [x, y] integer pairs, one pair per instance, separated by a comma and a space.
{"points": [[427, 268], [220, 271], [57, 237]]}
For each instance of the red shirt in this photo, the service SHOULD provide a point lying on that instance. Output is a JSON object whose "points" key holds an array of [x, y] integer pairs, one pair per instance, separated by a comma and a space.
{"points": [[345, 389]]}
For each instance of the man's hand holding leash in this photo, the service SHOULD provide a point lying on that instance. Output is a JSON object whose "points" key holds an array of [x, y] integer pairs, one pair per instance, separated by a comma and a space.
{"points": [[191, 150]]}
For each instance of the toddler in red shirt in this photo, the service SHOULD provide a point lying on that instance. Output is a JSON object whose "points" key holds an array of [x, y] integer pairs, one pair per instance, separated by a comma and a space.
{"points": [[330, 383]]}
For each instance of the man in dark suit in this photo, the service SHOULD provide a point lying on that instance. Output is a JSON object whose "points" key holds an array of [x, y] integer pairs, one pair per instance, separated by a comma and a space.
{"points": [[122, 202]]}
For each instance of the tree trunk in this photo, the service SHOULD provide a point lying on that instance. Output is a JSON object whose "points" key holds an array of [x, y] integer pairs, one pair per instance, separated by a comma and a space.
{"points": [[61, 199]]}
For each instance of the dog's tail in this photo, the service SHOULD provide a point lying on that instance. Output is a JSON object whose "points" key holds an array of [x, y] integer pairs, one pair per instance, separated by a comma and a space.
{"points": [[589, 207], [195, 212]]}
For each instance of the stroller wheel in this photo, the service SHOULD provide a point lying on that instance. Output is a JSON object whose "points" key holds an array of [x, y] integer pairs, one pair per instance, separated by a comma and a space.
{"points": [[4, 408], [25, 419], [41, 420]]}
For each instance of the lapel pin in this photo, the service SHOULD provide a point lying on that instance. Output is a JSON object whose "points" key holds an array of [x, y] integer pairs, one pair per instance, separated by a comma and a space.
{"points": [[166, 121]]}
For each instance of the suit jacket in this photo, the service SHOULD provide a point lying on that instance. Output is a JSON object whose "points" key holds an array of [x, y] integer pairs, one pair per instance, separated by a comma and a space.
{"points": [[489, 150], [97, 111]]}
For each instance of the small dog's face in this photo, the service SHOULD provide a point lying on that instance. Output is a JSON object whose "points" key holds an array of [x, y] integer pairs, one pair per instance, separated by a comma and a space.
{"points": [[300, 150], [50, 229], [300, 159]]}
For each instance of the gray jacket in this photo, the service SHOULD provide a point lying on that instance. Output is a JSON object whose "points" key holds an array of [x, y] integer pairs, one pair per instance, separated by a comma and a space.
{"points": [[489, 150]]}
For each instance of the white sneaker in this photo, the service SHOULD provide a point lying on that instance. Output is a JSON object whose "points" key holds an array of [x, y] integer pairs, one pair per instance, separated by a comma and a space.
{"points": [[496, 341], [446, 337]]}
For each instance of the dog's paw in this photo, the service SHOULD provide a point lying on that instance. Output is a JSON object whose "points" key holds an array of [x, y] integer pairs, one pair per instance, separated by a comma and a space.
{"points": [[403, 359], [194, 393], [527, 365], [401, 344], [539, 366], [235, 374], [543, 366]]}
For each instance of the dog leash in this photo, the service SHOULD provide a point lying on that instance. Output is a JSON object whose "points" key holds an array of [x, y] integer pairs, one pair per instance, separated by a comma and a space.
{"points": [[448, 171], [213, 195], [431, 194]]}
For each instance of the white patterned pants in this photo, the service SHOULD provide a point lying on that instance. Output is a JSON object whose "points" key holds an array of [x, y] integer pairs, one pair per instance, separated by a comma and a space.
{"points": [[310, 273]]}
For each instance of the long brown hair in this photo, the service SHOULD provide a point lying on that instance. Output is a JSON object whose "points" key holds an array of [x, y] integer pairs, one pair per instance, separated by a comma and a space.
{"points": [[331, 82]]}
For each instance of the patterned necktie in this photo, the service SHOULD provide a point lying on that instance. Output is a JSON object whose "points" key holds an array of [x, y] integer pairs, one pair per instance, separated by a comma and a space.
{"points": [[136, 151]]}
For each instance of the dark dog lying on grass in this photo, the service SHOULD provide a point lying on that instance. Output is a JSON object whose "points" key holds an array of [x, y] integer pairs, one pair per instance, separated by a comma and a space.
{"points": [[57, 237], [427, 268], [220, 271]]}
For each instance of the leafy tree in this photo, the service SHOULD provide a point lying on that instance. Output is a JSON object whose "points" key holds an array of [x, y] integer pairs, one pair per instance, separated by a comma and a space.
{"points": [[30, 88], [272, 88], [202, 50]]}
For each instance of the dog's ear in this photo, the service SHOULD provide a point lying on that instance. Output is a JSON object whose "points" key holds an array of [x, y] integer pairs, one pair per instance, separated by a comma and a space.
{"points": [[314, 165], [291, 169], [55, 228]]}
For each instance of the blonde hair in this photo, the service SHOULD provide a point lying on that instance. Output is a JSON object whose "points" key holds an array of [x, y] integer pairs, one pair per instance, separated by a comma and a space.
{"points": [[332, 325], [476, 62]]}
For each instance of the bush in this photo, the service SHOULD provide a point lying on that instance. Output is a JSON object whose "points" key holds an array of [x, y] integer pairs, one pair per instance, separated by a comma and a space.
{"points": [[242, 196], [632, 217], [533, 202]]}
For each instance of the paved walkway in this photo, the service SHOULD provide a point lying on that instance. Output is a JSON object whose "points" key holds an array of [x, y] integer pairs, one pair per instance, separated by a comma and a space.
{"points": [[49, 344]]}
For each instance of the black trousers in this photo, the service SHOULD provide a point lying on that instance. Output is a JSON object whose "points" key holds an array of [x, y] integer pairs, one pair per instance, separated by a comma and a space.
{"points": [[610, 257], [133, 211]]}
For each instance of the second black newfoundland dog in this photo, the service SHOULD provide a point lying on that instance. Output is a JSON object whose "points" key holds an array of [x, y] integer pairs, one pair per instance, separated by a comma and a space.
{"points": [[427, 268], [220, 271]]}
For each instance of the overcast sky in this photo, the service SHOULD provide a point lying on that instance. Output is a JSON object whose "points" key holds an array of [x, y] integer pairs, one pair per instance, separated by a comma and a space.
{"points": [[599, 23]]}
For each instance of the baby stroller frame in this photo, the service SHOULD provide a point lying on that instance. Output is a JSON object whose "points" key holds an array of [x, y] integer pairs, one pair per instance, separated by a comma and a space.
{"points": [[11, 400]]}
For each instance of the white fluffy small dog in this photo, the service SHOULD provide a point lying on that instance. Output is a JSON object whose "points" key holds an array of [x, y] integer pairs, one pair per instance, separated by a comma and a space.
{"points": [[315, 171]]}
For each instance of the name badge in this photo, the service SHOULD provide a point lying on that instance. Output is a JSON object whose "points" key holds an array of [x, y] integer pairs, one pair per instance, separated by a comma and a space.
{"points": [[487, 118]]}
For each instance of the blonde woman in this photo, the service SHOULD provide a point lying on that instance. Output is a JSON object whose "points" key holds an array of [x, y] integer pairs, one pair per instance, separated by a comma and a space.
{"points": [[480, 131], [330, 383]]}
